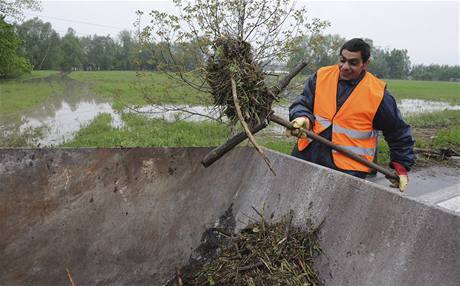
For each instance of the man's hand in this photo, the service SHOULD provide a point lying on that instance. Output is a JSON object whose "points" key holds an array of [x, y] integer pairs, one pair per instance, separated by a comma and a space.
{"points": [[403, 178], [299, 122]]}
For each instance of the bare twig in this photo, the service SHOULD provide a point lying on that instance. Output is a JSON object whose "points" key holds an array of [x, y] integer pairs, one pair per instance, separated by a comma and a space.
{"points": [[246, 128], [180, 281], [72, 282], [249, 267]]}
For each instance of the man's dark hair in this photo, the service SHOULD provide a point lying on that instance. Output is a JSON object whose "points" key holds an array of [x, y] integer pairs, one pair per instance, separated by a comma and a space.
{"points": [[358, 45]]}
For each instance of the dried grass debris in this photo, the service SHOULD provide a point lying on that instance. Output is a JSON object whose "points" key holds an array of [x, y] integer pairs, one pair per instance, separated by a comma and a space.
{"points": [[233, 58], [263, 254]]}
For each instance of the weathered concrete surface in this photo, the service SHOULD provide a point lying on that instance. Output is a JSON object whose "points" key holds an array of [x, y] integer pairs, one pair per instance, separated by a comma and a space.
{"points": [[433, 185], [130, 216]]}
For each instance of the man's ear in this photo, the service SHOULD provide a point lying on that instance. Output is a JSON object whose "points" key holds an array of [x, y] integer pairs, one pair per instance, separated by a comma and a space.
{"points": [[366, 64]]}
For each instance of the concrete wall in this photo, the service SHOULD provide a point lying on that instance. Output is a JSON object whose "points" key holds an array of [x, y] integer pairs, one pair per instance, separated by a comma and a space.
{"points": [[130, 216]]}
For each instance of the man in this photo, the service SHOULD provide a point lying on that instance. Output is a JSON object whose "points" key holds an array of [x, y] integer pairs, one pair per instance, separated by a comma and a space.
{"points": [[347, 105]]}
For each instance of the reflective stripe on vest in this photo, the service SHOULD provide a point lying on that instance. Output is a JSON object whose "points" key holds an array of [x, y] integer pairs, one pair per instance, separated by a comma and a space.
{"points": [[352, 125], [354, 133], [323, 121]]}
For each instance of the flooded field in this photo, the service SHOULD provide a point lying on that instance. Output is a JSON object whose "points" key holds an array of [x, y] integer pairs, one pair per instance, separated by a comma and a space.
{"points": [[58, 118], [64, 113]]}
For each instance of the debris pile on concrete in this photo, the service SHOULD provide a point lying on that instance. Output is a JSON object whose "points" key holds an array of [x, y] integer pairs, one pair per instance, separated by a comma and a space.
{"points": [[261, 254]]}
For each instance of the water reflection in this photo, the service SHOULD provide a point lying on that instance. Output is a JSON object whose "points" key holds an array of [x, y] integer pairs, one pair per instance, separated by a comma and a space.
{"points": [[67, 120], [177, 112], [411, 106], [58, 118]]}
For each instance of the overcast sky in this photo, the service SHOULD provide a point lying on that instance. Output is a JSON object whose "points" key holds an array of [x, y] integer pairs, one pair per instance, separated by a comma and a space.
{"points": [[429, 30]]}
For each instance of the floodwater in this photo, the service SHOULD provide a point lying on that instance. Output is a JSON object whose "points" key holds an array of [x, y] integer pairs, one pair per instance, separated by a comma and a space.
{"points": [[414, 106], [63, 114], [58, 118]]}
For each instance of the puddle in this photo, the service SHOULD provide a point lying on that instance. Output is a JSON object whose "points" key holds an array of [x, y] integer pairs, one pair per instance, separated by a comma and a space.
{"points": [[173, 113], [413, 106], [58, 118], [67, 120]]}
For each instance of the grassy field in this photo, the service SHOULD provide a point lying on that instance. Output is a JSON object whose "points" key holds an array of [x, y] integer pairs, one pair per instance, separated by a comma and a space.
{"points": [[32, 75], [141, 132], [428, 90], [436, 120], [20, 94], [38, 74], [132, 88]]}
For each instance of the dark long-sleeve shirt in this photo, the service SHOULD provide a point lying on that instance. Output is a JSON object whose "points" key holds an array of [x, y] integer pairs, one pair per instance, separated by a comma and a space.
{"points": [[387, 119]]}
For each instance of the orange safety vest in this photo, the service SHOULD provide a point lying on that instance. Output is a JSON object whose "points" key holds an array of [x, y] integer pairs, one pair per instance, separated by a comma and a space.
{"points": [[352, 125]]}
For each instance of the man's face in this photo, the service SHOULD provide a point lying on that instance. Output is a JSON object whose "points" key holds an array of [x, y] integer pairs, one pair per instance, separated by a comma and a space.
{"points": [[351, 65]]}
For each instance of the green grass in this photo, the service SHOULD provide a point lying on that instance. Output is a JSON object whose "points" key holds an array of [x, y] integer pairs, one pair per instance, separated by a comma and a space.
{"points": [[434, 119], [437, 129], [132, 88], [32, 75], [281, 145], [449, 137], [18, 96], [431, 131], [428, 90], [141, 132], [383, 152], [38, 74]]}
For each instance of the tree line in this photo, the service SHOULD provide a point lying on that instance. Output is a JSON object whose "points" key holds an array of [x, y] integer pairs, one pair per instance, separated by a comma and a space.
{"points": [[385, 63], [34, 44]]}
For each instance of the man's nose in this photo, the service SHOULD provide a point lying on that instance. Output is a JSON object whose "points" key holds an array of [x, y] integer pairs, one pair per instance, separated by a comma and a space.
{"points": [[346, 65]]}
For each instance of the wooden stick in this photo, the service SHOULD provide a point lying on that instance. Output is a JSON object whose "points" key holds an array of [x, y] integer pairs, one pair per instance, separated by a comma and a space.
{"points": [[221, 150], [70, 277], [246, 128], [340, 149]]}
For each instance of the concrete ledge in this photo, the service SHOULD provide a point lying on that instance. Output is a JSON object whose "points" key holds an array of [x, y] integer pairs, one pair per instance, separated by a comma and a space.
{"points": [[441, 195]]}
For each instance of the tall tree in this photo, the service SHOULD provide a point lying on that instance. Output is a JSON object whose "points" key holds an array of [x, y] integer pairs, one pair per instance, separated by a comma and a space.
{"points": [[13, 9], [41, 43], [11, 64], [321, 50], [72, 52], [125, 51], [436, 72], [398, 64]]}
